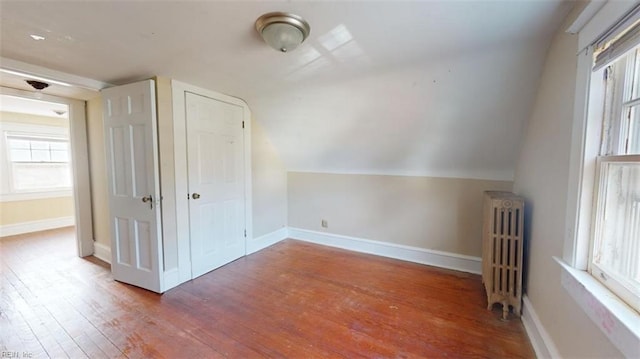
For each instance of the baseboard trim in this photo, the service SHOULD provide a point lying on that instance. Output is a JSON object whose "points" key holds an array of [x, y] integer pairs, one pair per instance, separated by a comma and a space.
{"points": [[267, 240], [540, 339], [440, 259], [36, 226], [102, 252]]}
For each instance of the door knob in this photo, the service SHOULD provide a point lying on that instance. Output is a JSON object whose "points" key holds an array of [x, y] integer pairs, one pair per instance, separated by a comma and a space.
{"points": [[148, 199], [195, 196]]}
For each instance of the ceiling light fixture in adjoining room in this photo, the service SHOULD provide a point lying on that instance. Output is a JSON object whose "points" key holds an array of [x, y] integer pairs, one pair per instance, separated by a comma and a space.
{"points": [[38, 86], [34, 77], [283, 31]]}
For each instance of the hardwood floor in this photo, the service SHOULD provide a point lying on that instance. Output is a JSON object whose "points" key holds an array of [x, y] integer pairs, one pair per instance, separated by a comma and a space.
{"points": [[293, 300]]}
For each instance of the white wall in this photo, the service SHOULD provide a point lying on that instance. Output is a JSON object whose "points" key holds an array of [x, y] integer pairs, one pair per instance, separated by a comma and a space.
{"points": [[269, 184], [443, 214], [459, 115], [98, 170], [542, 177]]}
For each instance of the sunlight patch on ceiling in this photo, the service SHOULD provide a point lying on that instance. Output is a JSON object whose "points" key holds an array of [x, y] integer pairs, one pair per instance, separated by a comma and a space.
{"points": [[335, 38], [338, 47], [314, 67], [308, 55], [352, 53]]}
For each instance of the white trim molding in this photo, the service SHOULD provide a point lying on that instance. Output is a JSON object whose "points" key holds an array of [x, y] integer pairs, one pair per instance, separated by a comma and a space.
{"points": [[29, 196], [264, 241], [435, 258], [102, 252], [36, 226], [541, 341], [619, 322], [601, 21], [48, 74]]}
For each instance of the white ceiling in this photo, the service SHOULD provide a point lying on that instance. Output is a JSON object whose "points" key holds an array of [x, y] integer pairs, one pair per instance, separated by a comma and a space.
{"points": [[33, 107], [432, 87]]}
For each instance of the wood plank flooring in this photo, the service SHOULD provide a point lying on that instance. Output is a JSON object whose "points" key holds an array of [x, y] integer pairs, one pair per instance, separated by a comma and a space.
{"points": [[292, 300]]}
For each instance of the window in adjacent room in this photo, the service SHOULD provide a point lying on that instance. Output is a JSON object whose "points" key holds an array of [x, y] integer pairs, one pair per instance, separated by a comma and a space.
{"points": [[38, 163]]}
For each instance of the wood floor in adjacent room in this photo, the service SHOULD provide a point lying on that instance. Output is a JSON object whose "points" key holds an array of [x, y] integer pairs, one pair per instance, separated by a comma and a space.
{"points": [[292, 300]]}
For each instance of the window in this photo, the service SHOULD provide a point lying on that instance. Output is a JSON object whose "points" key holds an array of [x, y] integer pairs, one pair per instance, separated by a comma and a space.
{"points": [[35, 160], [598, 269], [38, 163], [615, 251]]}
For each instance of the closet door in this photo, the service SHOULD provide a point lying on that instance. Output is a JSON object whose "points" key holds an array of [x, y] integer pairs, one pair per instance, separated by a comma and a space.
{"points": [[133, 179], [215, 159]]}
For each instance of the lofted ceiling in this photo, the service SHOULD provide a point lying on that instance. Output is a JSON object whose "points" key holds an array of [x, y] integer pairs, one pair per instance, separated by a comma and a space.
{"points": [[440, 88]]}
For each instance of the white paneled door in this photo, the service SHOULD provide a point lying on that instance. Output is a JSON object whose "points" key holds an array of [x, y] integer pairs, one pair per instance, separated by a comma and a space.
{"points": [[133, 180], [215, 159]]}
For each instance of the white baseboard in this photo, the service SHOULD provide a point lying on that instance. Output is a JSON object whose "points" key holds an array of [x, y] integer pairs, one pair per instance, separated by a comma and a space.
{"points": [[540, 339], [102, 252], [36, 226], [441, 259], [266, 240]]}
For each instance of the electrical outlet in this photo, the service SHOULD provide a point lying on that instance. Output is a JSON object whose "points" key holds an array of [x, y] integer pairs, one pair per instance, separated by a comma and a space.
{"points": [[324, 223]]}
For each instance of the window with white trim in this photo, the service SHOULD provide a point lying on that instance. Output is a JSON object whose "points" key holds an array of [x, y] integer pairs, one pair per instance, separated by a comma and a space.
{"points": [[35, 161], [38, 163], [615, 246]]}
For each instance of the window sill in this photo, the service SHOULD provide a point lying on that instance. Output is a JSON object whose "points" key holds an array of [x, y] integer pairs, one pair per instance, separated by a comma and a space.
{"points": [[28, 196], [619, 322]]}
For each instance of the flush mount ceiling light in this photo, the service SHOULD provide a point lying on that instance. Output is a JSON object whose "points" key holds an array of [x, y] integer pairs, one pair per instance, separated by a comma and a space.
{"points": [[282, 31], [38, 86]]}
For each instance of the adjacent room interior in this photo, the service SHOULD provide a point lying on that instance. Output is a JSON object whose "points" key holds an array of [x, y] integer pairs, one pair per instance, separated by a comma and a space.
{"points": [[37, 191], [309, 179]]}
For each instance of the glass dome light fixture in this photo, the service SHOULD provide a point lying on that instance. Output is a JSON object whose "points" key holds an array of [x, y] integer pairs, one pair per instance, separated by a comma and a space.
{"points": [[283, 31]]}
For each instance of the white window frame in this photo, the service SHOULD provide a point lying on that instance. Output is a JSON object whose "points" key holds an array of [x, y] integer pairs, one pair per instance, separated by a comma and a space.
{"points": [[617, 135], [619, 322], [7, 129], [36, 137], [608, 278], [617, 101]]}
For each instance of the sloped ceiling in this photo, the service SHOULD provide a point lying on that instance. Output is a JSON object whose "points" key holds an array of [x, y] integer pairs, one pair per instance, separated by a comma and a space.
{"points": [[438, 88]]}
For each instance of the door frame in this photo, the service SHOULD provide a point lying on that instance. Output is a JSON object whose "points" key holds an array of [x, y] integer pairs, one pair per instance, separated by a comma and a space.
{"points": [[180, 184], [80, 165]]}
